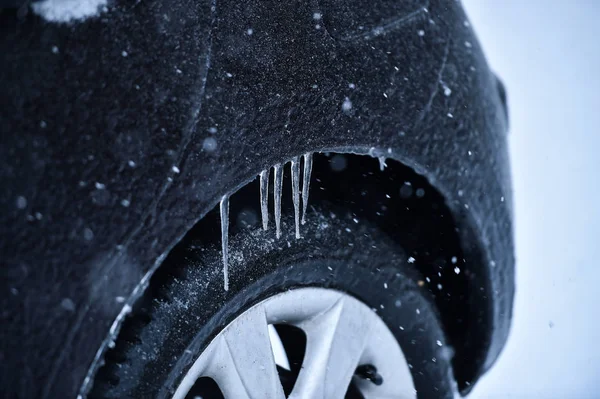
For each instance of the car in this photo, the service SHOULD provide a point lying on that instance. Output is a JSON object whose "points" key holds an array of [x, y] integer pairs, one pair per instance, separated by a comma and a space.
{"points": [[257, 199]]}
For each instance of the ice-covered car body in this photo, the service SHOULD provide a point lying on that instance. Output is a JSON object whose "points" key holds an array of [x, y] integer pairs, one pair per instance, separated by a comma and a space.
{"points": [[120, 132]]}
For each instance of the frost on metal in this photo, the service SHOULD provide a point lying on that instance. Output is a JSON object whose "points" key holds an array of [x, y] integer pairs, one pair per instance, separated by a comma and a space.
{"points": [[295, 166], [63, 11], [224, 207]]}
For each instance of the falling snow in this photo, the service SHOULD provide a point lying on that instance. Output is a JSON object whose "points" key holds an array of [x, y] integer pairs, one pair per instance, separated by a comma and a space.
{"points": [[346, 105], [209, 144], [21, 202]]}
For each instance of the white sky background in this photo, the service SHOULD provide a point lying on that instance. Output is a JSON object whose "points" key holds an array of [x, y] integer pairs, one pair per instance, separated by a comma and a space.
{"points": [[547, 52]]}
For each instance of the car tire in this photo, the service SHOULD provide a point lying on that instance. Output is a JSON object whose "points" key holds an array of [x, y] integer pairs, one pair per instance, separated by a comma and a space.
{"points": [[182, 313]]}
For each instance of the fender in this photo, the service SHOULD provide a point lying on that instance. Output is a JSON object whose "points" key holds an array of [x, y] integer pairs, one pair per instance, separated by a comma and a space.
{"points": [[119, 133]]}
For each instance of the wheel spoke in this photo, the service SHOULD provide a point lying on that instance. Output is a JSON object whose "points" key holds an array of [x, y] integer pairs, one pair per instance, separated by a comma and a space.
{"points": [[251, 356], [335, 342]]}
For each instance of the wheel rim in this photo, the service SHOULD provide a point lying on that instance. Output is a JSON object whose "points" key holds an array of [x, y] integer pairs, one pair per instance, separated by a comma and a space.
{"points": [[341, 332]]}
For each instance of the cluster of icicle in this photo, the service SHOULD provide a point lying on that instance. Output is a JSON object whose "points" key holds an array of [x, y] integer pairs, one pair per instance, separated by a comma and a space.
{"points": [[264, 203]]}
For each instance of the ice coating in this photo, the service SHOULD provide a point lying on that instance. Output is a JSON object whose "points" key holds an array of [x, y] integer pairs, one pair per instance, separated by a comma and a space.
{"points": [[264, 198], [306, 182], [224, 207], [295, 166], [277, 187]]}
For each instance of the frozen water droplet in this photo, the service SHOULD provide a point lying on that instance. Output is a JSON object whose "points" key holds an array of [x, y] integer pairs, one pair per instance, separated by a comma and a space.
{"points": [[385, 285], [21, 202], [420, 193], [224, 208], [411, 260], [382, 163], [124, 53], [317, 16], [229, 75], [421, 32], [346, 105], [308, 157], [209, 144], [125, 203], [54, 50], [277, 188], [457, 270], [492, 263], [398, 303], [250, 31], [43, 124], [468, 44], [175, 169], [213, 130], [68, 304], [295, 167], [352, 85], [418, 311], [438, 342], [131, 164], [264, 198], [100, 186], [120, 299], [460, 193], [454, 259], [439, 287], [449, 115]]}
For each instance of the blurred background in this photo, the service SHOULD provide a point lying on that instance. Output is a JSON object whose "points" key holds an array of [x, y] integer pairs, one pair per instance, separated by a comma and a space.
{"points": [[548, 55]]}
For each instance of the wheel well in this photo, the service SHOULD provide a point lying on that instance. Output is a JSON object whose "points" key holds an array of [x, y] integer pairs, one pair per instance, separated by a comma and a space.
{"points": [[406, 207]]}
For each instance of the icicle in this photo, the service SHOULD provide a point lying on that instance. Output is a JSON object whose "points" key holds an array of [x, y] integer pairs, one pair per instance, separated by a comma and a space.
{"points": [[278, 185], [296, 192], [264, 198], [224, 238], [382, 164], [306, 183]]}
